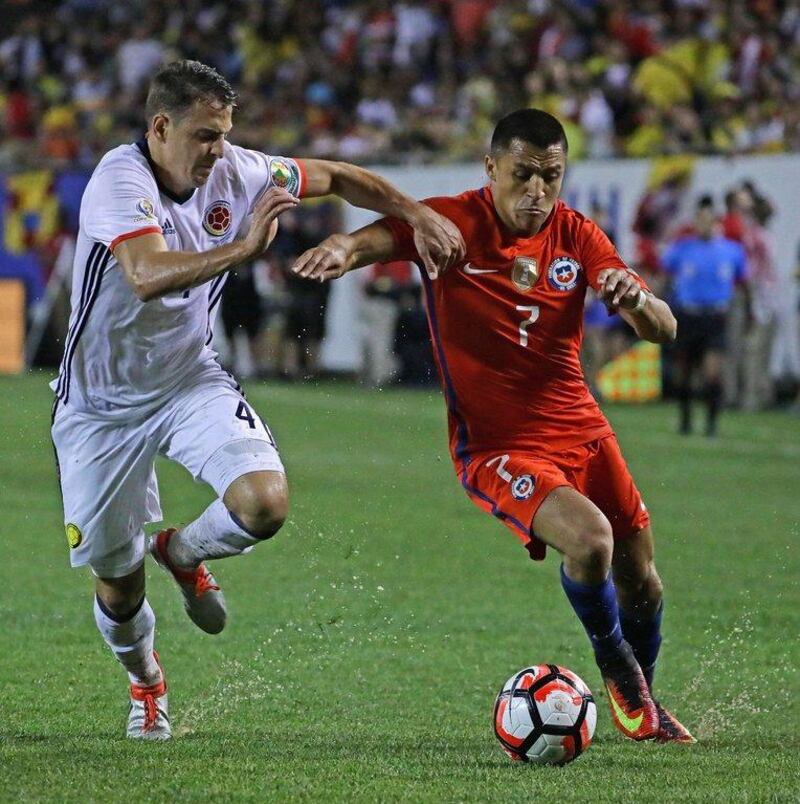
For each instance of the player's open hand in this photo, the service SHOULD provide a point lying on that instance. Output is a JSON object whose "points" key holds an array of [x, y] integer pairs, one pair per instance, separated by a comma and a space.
{"points": [[618, 289], [329, 260], [264, 225], [438, 240]]}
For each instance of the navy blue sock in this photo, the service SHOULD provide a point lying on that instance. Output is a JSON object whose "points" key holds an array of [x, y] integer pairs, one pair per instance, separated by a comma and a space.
{"points": [[644, 636], [597, 608]]}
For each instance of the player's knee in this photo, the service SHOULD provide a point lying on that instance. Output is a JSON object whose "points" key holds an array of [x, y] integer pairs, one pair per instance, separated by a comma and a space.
{"points": [[263, 506], [595, 547], [638, 584], [652, 588]]}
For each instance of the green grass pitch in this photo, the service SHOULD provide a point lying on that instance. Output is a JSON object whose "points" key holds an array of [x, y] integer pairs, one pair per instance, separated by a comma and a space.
{"points": [[366, 643]]}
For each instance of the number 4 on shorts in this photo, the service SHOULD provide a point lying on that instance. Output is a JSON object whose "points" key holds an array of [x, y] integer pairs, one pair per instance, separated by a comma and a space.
{"points": [[246, 415]]}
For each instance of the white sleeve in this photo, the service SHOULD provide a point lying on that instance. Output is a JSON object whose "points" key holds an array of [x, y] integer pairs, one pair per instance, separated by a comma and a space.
{"points": [[120, 203], [258, 172]]}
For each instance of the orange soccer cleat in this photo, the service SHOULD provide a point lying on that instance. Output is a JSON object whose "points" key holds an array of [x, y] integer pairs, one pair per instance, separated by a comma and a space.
{"points": [[202, 597], [670, 729]]}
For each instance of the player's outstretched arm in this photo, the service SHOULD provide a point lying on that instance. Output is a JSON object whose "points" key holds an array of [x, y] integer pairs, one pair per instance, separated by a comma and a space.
{"points": [[152, 270], [340, 253], [649, 316], [439, 242]]}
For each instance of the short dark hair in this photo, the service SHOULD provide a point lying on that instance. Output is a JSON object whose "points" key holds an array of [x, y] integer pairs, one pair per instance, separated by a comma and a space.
{"points": [[175, 88], [533, 126], [705, 201]]}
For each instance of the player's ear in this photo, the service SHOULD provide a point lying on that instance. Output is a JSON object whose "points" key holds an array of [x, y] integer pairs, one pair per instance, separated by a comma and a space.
{"points": [[159, 126], [491, 167]]}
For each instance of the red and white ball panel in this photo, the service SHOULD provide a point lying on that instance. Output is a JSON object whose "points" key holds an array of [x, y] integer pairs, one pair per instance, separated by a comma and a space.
{"points": [[549, 749], [514, 720], [575, 679], [589, 724], [524, 679], [559, 704]]}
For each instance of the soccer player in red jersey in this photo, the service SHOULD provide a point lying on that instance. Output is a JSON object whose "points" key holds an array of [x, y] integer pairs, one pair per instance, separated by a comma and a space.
{"points": [[529, 442]]}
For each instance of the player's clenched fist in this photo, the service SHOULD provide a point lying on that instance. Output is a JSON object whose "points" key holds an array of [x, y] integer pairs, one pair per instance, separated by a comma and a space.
{"points": [[619, 289], [264, 225]]}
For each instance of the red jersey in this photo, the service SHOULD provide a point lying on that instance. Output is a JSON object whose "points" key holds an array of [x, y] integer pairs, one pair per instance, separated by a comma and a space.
{"points": [[507, 324]]}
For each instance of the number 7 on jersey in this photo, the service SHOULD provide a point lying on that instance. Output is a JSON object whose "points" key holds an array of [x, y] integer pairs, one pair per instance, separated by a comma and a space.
{"points": [[525, 323]]}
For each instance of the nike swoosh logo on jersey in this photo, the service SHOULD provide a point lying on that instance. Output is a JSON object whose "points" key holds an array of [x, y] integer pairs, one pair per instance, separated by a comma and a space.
{"points": [[468, 269], [630, 724]]}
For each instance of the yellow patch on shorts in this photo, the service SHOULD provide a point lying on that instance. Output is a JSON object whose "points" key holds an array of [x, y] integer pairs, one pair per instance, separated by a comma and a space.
{"points": [[74, 535]]}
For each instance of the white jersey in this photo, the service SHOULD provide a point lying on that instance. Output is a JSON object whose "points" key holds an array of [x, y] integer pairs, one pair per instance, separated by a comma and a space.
{"points": [[123, 356]]}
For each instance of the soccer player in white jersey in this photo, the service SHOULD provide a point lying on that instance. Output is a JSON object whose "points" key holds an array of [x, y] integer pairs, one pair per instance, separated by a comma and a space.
{"points": [[160, 223]]}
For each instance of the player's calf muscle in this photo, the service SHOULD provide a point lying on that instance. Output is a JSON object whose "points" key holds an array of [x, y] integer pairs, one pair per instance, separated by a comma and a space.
{"points": [[121, 595], [638, 583]]}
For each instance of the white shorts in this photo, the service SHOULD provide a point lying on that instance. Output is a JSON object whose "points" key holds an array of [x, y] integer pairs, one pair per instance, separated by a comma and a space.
{"points": [[108, 481]]}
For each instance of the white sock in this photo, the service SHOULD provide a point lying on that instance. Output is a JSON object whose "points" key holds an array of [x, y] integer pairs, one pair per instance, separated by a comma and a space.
{"points": [[213, 534], [132, 642]]}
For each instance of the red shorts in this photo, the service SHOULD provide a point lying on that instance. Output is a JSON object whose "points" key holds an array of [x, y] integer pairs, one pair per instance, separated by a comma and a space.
{"points": [[512, 486]]}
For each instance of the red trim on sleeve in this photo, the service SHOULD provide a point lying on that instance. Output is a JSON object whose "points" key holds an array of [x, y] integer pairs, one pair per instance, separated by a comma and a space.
{"points": [[403, 236], [303, 178], [128, 235], [388, 223]]}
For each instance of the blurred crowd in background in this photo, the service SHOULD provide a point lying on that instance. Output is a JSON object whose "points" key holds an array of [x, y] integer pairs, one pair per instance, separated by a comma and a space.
{"points": [[410, 80]]}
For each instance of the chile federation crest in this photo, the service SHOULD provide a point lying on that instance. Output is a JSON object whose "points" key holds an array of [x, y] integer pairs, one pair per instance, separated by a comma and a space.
{"points": [[563, 273], [522, 486]]}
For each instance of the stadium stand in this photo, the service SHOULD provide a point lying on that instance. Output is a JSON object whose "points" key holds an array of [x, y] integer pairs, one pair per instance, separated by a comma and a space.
{"points": [[409, 82], [390, 80]]}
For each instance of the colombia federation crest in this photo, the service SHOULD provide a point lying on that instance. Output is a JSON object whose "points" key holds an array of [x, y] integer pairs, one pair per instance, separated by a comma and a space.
{"points": [[217, 218]]}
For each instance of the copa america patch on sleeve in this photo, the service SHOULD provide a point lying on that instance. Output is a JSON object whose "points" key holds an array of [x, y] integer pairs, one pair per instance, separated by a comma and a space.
{"points": [[145, 211], [285, 173]]}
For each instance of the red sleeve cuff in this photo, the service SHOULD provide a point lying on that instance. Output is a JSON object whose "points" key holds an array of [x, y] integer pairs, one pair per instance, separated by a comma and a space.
{"points": [[303, 178], [403, 236], [136, 233], [390, 224]]}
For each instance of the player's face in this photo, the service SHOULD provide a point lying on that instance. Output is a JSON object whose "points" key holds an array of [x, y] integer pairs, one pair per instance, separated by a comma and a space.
{"points": [[192, 144], [526, 182]]}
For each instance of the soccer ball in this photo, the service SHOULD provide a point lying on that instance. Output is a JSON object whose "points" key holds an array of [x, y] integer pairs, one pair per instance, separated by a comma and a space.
{"points": [[545, 714]]}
